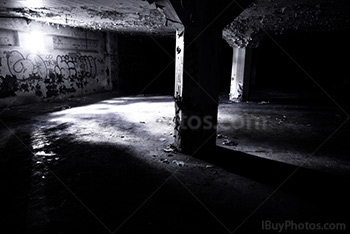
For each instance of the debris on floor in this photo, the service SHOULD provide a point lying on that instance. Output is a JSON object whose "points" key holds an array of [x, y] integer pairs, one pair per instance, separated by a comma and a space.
{"points": [[229, 142], [179, 163], [164, 160], [226, 140], [111, 174], [170, 149], [263, 102], [220, 136], [281, 120], [64, 107]]}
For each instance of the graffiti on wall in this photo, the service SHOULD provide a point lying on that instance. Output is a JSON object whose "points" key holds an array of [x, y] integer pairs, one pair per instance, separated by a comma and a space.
{"points": [[69, 66], [25, 67], [54, 74], [72, 67]]}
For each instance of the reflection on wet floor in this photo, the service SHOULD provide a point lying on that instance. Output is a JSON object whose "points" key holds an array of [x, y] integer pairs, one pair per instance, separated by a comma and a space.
{"points": [[41, 148], [108, 166]]}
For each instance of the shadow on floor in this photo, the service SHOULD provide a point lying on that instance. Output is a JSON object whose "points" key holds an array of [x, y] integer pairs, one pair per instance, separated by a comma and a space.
{"points": [[304, 182], [92, 188], [102, 188]]}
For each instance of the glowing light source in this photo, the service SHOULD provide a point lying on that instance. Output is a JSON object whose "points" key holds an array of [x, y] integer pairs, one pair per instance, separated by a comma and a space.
{"points": [[32, 3], [35, 42]]}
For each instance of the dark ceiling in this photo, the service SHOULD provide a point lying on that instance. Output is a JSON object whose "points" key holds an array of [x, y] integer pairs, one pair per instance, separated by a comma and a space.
{"points": [[287, 17], [115, 15], [272, 16]]}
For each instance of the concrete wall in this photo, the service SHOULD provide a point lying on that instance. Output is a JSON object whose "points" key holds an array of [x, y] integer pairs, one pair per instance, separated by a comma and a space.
{"points": [[41, 61]]}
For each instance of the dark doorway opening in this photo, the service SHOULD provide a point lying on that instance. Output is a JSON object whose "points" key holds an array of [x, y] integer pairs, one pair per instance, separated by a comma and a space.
{"points": [[147, 64]]}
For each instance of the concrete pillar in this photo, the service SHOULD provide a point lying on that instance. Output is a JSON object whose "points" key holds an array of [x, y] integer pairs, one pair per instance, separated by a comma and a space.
{"points": [[242, 73], [199, 25], [196, 88], [112, 65], [179, 74]]}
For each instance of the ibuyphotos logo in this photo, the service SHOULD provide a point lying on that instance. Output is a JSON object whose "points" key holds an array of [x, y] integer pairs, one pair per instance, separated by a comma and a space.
{"points": [[290, 225]]}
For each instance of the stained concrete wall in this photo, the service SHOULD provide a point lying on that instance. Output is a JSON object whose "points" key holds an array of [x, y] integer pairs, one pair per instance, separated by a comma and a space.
{"points": [[41, 61]]}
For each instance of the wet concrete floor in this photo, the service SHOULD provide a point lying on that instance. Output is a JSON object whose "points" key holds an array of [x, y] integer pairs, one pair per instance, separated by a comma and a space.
{"points": [[102, 164]]}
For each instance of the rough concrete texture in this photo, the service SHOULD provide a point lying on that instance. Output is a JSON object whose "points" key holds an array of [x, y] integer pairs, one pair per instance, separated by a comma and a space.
{"points": [[40, 61], [269, 17], [122, 15], [102, 164], [137, 16]]}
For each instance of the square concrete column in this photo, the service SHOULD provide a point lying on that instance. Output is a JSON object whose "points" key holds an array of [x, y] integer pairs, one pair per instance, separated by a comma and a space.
{"points": [[199, 25], [241, 74], [196, 88], [112, 60]]}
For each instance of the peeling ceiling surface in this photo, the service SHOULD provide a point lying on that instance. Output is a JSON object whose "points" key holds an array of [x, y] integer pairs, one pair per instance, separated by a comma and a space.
{"points": [[271, 17], [114, 15], [260, 18]]}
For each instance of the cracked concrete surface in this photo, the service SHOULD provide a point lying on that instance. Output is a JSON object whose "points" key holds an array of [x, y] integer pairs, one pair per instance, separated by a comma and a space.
{"points": [[101, 163], [137, 16], [131, 16], [266, 18]]}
